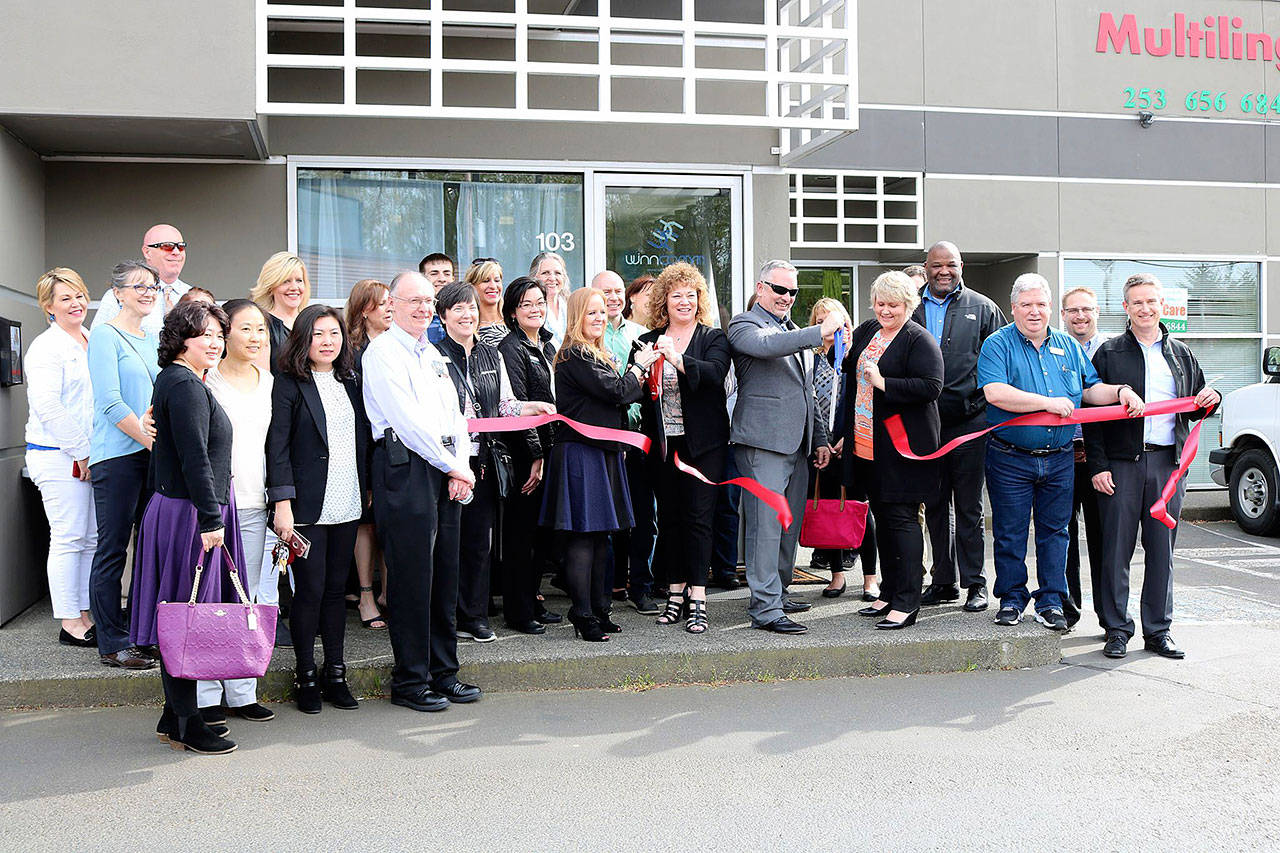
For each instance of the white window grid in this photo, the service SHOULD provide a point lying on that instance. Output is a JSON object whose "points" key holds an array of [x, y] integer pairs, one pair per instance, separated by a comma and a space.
{"points": [[809, 49], [806, 229]]}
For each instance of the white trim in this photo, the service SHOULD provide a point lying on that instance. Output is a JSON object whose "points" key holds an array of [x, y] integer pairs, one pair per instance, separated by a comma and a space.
{"points": [[292, 210], [1159, 117], [1056, 179], [504, 165]]}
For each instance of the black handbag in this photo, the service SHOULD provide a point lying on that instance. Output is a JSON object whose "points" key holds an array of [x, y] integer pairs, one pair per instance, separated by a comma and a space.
{"points": [[503, 470]]}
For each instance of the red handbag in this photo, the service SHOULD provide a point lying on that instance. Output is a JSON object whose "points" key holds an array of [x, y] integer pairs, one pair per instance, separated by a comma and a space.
{"points": [[833, 524]]}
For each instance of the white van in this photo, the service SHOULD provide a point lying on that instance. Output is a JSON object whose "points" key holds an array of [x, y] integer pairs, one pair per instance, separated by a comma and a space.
{"points": [[1250, 439]]}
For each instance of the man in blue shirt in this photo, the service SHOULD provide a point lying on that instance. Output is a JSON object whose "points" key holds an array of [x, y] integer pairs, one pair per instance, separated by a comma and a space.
{"points": [[1029, 367]]}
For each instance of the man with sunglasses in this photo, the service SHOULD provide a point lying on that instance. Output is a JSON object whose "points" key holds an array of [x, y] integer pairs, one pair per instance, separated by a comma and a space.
{"points": [[774, 431], [165, 250]]}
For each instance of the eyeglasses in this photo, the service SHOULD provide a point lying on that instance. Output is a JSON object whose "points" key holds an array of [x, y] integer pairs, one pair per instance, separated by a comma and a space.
{"points": [[142, 289], [168, 246], [484, 261], [783, 291], [1086, 310], [417, 301], [541, 303]]}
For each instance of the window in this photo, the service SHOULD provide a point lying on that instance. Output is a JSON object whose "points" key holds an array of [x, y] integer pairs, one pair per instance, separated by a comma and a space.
{"points": [[1224, 319], [364, 223], [817, 283]]}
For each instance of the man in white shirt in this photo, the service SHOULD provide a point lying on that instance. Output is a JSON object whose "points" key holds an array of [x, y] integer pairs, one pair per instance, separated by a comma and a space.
{"points": [[421, 475], [165, 250]]}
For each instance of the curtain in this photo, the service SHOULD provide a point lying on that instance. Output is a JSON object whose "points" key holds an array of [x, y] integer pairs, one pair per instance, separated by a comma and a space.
{"points": [[503, 221]]}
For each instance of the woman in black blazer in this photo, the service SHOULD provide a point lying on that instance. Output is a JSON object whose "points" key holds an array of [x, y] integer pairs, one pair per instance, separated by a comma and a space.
{"points": [[317, 466], [689, 417], [895, 368]]}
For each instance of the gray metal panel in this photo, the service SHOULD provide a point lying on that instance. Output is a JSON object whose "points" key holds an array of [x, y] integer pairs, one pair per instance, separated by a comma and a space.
{"points": [[1271, 145], [990, 144], [885, 139], [1102, 148]]}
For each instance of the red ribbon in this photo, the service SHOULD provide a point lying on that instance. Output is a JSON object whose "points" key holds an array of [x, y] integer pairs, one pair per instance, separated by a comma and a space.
{"points": [[775, 501], [1098, 414]]}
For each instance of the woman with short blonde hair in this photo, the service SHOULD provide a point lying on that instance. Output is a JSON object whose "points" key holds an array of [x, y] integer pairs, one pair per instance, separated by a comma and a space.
{"points": [[283, 289]]}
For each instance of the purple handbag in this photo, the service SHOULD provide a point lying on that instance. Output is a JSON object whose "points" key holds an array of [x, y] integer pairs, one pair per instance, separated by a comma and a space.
{"points": [[216, 641]]}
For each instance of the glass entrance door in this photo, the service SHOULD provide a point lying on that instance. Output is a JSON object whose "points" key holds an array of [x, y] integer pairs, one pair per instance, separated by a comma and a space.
{"points": [[645, 222]]}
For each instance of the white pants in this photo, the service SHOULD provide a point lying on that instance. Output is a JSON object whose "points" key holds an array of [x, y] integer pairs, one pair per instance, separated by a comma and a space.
{"points": [[253, 535], [73, 530]]}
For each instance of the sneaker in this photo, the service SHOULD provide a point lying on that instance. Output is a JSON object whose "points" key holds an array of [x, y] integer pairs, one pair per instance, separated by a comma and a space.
{"points": [[478, 631], [644, 605], [1053, 620], [1008, 616]]}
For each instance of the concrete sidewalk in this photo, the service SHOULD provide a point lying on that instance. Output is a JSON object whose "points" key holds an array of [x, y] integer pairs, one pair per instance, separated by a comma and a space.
{"points": [[40, 673]]}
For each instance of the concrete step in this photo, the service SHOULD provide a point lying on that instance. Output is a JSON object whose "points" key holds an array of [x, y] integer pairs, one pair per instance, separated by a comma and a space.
{"points": [[39, 673]]}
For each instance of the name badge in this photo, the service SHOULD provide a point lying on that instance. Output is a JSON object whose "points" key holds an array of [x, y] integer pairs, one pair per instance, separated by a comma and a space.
{"points": [[447, 442], [971, 316], [1057, 351]]}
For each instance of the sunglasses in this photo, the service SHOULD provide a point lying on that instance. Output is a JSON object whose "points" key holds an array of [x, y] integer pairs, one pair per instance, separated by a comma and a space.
{"points": [[783, 291], [168, 246]]}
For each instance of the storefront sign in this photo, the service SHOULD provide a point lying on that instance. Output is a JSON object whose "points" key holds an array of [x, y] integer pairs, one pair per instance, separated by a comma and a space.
{"points": [[662, 240], [1175, 309]]}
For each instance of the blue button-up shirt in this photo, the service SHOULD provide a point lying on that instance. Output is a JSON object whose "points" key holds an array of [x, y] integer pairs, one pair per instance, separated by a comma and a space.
{"points": [[1057, 368], [935, 312]]}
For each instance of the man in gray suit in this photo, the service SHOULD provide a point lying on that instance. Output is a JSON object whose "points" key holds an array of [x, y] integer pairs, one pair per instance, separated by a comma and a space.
{"points": [[775, 431]]}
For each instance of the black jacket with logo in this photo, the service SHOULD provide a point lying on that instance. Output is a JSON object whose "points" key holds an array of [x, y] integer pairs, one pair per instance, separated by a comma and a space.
{"points": [[1119, 361], [971, 318]]}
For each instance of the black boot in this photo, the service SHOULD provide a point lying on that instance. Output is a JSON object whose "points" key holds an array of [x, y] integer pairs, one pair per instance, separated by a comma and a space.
{"points": [[198, 737], [168, 726], [335, 689], [306, 692], [588, 627]]}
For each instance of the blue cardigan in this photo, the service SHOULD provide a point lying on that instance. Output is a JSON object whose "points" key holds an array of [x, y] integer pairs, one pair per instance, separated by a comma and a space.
{"points": [[122, 368]]}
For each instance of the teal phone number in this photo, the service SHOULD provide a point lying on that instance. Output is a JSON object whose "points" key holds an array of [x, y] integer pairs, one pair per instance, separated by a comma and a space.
{"points": [[1202, 100]]}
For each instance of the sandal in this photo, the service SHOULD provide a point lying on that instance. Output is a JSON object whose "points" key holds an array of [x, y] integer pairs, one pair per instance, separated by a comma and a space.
{"points": [[674, 609], [697, 623], [368, 623]]}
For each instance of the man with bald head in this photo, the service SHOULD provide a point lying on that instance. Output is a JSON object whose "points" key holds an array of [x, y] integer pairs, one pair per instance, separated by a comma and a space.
{"points": [[164, 249], [959, 320]]}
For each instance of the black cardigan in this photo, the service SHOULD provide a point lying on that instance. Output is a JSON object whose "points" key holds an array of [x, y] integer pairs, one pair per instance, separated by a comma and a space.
{"points": [[529, 371], [591, 391], [298, 445], [277, 334], [912, 370], [191, 457], [702, 398]]}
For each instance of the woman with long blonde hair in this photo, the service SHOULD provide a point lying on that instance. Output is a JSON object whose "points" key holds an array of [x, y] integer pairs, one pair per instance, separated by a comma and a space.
{"points": [[587, 495], [283, 289]]}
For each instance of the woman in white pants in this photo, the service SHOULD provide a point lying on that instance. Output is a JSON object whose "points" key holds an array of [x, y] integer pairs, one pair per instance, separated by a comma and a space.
{"points": [[244, 392], [60, 400]]}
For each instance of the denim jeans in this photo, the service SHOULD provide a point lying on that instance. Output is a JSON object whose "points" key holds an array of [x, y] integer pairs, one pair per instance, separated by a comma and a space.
{"points": [[1019, 484]]}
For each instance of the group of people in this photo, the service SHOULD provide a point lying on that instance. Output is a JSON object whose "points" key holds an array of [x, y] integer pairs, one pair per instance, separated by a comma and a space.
{"points": [[202, 427]]}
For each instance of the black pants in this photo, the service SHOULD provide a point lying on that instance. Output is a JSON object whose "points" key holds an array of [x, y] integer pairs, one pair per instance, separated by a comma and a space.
{"points": [[521, 562], [586, 564], [1086, 500], [120, 494], [900, 542], [963, 472], [829, 487], [685, 507], [633, 550], [726, 524], [475, 554], [418, 527], [320, 581]]}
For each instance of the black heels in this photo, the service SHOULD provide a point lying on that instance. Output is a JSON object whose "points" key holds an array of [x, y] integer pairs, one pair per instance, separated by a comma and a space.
{"points": [[875, 611], [677, 602], [607, 624], [889, 625], [588, 628]]}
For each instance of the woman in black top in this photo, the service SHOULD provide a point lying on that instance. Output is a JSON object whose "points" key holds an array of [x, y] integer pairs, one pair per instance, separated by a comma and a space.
{"points": [[282, 291], [317, 480], [484, 391], [192, 511], [527, 353], [587, 496], [689, 418]]}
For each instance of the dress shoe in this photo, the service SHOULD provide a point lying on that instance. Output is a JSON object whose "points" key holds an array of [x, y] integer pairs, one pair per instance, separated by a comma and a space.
{"points": [[533, 626], [333, 687], [253, 712], [977, 600], [131, 658], [421, 700], [477, 630], [793, 605], [726, 581], [1164, 646], [213, 715], [152, 652], [783, 625], [546, 617], [306, 691], [66, 638], [870, 594], [940, 593], [887, 624], [875, 611], [458, 693], [835, 593], [644, 605], [1117, 645]]}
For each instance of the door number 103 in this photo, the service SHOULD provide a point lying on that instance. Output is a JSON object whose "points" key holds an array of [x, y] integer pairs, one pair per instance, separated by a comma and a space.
{"points": [[553, 242]]}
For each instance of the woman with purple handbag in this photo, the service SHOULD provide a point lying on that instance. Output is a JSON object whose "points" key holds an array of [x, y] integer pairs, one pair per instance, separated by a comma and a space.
{"points": [[895, 368], [191, 518]]}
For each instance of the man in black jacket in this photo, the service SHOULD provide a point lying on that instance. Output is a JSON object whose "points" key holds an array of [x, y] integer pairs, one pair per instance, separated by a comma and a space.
{"points": [[959, 320], [1132, 459]]}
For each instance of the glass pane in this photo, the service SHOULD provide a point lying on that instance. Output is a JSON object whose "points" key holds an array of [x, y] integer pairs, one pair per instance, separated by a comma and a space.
{"points": [[816, 283], [514, 217], [647, 228]]}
